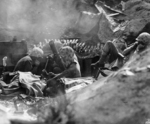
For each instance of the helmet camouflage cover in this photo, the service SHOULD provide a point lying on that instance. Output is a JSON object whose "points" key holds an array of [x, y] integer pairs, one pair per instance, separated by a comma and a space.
{"points": [[36, 52], [144, 38], [67, 54]]}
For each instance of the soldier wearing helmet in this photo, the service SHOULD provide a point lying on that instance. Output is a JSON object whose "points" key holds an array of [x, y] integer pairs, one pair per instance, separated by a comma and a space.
{"points": [[110, 50], [30, 62], [144, 41], [70, 61], [71, 70]]}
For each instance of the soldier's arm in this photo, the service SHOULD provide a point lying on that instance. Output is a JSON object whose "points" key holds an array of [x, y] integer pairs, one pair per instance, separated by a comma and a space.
{"points": [[131, 48], [67, 72]]}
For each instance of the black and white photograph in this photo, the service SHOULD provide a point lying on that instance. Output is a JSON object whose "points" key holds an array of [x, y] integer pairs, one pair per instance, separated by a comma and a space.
{"points": [[74, 61]]}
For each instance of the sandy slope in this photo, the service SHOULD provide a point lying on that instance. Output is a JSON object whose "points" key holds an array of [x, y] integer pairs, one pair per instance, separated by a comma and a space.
{"points": [[122, 98]]}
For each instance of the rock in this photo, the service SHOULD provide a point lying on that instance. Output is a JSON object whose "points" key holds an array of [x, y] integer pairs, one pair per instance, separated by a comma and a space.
{"points": [[3, 116]]}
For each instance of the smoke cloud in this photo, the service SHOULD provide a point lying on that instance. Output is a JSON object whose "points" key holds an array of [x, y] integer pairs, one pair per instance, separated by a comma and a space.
{"points": [[36, 19]]}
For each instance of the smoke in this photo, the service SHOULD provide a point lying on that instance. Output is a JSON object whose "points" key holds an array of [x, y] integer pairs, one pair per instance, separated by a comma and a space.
{"points": [[36, 19]]}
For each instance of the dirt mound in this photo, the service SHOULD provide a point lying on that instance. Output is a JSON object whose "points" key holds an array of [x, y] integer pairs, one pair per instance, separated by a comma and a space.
{"points": [[122, 98]]}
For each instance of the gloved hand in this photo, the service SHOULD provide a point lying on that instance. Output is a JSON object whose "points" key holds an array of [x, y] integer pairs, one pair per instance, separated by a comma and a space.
{"points": [[51, 75], [135, 44], [141, 43], [138, 42], [44, 74]]}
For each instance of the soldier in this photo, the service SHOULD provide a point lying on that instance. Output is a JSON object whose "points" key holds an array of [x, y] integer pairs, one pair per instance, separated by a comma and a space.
{"points": [[142, 42], [110, 52], [30, 62], [109, 55], [70, 62], [72, 70]]}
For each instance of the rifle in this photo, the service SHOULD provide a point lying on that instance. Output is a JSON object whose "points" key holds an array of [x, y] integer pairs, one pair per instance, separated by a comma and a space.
{"points": [[57, 58]]}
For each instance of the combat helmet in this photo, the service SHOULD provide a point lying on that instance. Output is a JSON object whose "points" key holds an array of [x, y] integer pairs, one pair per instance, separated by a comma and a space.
{"points": [[36, 52], [144, 38]]}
